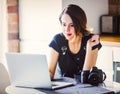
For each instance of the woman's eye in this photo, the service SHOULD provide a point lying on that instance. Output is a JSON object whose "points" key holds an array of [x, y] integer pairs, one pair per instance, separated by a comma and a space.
{"points": [[64, 24], [72, 25]]}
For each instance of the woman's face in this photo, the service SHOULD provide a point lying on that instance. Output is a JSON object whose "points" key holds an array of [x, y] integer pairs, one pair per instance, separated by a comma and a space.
{"points": [[68, 27]]}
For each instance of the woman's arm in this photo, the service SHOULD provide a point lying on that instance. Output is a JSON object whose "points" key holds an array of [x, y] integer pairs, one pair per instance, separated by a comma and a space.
{"points": [[90, 59], [52, 62], [91, 55]]}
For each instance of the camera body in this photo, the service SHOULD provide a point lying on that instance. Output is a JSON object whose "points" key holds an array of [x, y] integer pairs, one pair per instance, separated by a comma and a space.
{"points": [[94, 77]]}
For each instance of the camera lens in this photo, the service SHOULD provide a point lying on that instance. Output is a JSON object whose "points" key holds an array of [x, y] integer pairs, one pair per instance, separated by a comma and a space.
{"points": [[93, 79]]}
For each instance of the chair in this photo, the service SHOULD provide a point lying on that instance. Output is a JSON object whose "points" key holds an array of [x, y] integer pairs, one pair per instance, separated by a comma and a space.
{"points": [[4, 79], [116, 62]]}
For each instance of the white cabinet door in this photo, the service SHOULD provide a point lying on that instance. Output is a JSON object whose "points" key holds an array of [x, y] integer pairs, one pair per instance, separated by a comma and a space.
{"points": [[116, 58], [116, 53], [105, 61]]}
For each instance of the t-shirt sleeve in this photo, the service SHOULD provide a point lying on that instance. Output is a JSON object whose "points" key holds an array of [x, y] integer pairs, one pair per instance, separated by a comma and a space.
{"points": [[54, 43]]}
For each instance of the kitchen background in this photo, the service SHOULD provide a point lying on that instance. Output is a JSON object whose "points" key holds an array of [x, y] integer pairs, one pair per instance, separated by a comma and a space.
{"points": [[27, 26]]}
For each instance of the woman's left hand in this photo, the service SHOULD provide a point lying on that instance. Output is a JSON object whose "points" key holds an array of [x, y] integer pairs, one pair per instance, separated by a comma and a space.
{"points": [[94, 40]]}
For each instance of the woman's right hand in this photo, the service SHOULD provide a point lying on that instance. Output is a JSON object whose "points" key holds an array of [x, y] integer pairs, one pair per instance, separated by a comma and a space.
{"points": [[94, 40]]}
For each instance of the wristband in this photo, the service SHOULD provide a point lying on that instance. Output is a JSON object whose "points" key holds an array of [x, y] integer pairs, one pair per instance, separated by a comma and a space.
{"points": [[97, 46], [84, 76]]}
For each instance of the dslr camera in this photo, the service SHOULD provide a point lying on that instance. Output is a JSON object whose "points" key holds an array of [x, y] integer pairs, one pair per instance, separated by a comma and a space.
{"points": [[94, 77]]}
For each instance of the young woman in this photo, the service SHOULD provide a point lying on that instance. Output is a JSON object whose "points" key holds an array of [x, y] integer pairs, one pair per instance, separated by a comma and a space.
{"points": [[75, 49]]}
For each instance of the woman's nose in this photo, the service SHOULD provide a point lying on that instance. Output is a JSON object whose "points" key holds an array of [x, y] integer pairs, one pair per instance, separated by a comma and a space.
{"points": [[67, 28]]}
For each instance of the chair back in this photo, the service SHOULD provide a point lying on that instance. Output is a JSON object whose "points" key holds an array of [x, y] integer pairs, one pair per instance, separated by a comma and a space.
{"points": [[4, 79]]}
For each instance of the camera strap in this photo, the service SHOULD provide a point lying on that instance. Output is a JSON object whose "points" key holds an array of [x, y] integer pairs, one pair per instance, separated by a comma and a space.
{"points": [[104, 76]]}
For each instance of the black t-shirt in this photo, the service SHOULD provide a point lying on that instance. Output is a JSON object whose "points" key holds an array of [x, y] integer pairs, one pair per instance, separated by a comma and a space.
{"points": [[68, 62]]}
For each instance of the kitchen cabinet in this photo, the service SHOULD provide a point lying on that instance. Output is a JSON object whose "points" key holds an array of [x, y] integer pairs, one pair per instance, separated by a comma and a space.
{"points": [[105, 61], [109, 52], [116, 67]]}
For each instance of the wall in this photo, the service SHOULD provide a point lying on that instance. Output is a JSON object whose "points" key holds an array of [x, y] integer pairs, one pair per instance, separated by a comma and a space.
{"points": [[93, 8], [1, 16], [38, 23], [3, 30]]}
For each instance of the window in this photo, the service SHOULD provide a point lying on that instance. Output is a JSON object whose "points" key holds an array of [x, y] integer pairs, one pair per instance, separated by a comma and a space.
{"points": [[38, 23]]}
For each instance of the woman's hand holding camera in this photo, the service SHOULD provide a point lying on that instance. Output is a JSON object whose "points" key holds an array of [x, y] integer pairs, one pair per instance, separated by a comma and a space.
{"points": [[94, 76], [93, 41]]}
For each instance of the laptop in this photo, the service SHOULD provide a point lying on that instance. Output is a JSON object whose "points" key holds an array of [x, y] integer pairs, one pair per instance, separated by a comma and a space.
{"points": [[31, 70]]}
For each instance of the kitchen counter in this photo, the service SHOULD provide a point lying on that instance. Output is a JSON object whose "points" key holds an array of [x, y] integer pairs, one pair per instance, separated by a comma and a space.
{"points": [[110, 40]]}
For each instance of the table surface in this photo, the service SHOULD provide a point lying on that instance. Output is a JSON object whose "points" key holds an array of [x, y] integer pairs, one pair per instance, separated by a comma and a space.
{"points": [[78, 88]]}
